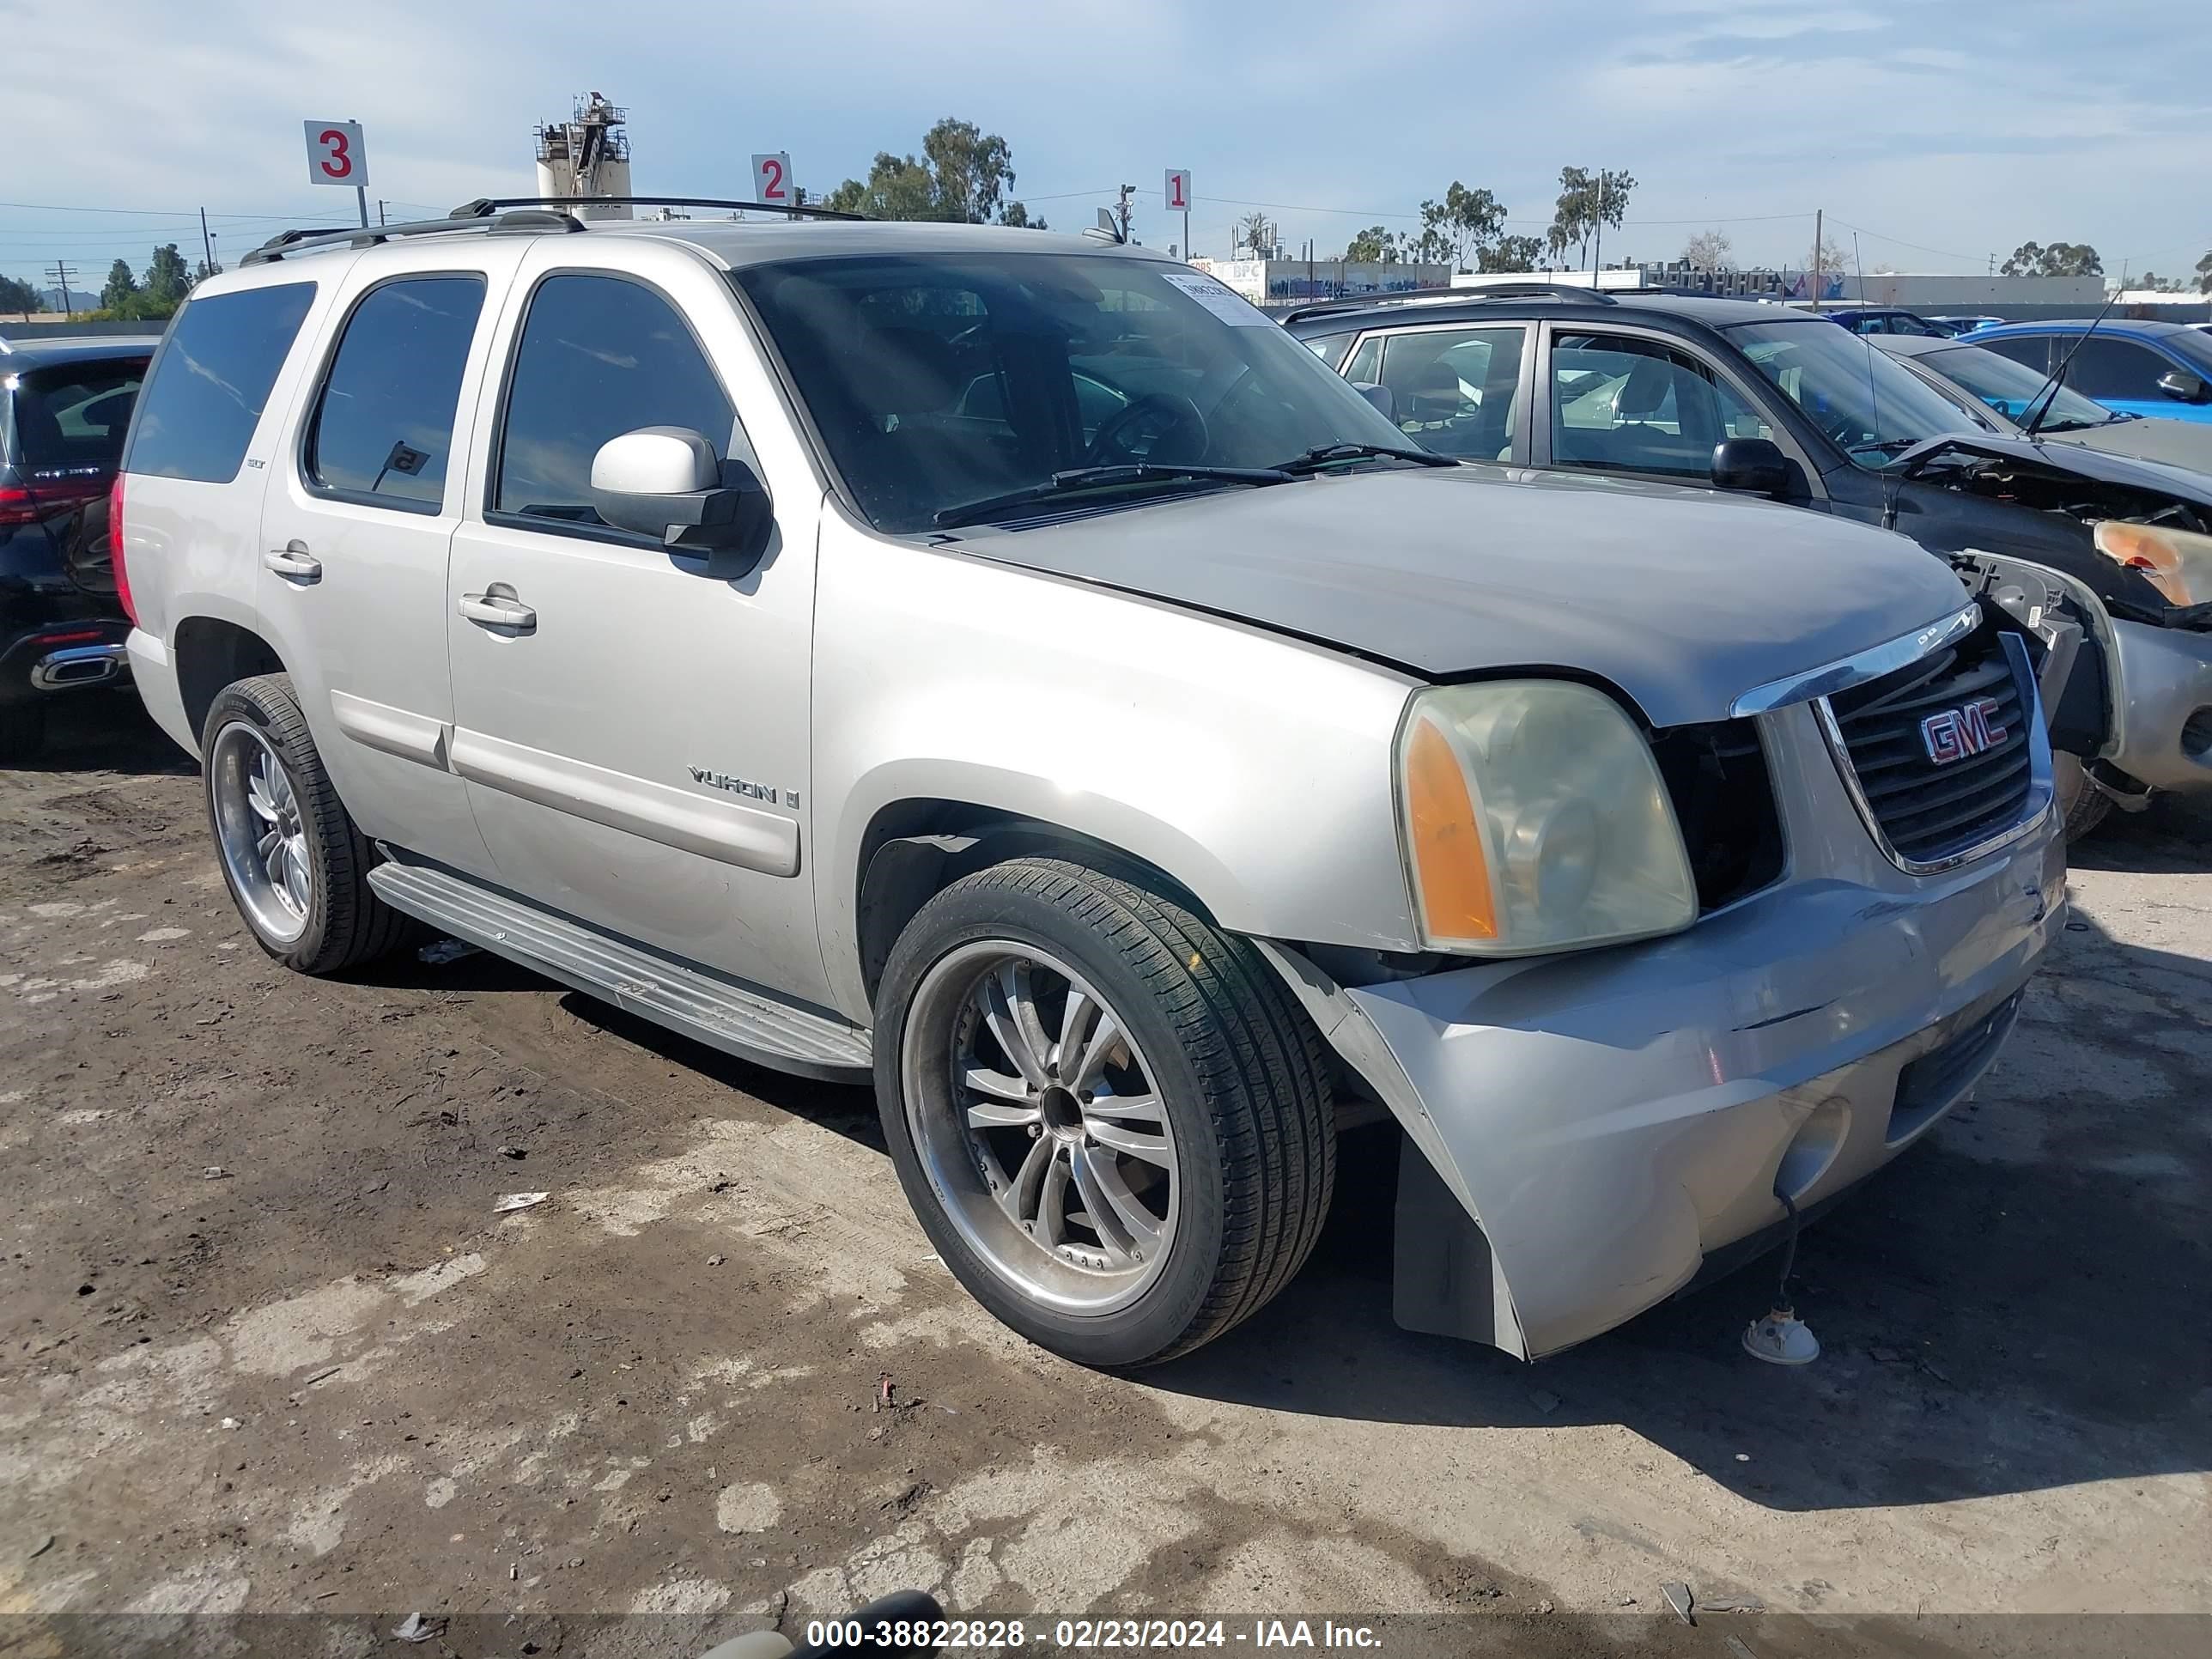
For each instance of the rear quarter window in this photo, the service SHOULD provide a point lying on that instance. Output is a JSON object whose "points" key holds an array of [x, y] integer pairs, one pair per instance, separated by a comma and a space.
{"points": [[212, 381]]}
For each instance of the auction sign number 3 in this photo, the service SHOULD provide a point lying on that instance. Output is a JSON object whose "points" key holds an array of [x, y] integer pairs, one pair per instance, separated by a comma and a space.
{"points": [[335, 153]]}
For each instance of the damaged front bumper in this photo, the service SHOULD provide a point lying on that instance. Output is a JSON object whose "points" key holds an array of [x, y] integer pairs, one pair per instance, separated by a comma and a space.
{"points": [[1590, 1127]]}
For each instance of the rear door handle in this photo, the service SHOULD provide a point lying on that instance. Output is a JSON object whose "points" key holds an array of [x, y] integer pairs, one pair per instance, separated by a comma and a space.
{"points": [[497, 607], [294, 562]]}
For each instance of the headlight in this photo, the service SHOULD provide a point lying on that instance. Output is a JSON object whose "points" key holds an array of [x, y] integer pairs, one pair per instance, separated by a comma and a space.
{"points": [[1533, 819], [2177, 562]]}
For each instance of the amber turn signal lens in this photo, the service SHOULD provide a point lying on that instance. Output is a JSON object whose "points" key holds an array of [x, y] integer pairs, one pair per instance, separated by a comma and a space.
{"points": [[1450, 865]]}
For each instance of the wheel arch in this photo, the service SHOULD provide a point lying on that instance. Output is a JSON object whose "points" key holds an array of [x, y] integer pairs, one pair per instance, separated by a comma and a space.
{"points": [[210, 652], [916, 847]]}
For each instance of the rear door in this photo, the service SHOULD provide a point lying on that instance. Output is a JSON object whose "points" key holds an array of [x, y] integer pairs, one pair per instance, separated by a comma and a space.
{"points": [[633, 728], [1458, 388], [358, 524]]}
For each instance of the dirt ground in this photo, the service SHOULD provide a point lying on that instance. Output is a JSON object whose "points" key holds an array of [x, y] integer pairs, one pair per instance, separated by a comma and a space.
{"points": [[268, 1348]]}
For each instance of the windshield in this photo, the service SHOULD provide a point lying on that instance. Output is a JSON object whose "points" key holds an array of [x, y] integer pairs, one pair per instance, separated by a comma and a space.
{"points": [[2010, 387], [938, 381], [1872, 408]]}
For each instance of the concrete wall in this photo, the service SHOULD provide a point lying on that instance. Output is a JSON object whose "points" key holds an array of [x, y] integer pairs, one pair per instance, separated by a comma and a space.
{"points": [[1294, 282]]}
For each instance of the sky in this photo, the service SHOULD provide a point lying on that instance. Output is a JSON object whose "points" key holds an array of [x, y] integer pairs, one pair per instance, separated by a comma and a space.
{"points": [[1935, 136]]}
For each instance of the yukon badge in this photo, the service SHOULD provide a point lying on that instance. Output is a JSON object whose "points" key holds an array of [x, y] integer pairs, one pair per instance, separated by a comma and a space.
{"points": [[746, 786], [1956, 733]]}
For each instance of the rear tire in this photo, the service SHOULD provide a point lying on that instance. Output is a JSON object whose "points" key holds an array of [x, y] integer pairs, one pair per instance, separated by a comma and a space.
{"points": [[2081, 805], [22, 730], [296, 866], [1192, 1094]]}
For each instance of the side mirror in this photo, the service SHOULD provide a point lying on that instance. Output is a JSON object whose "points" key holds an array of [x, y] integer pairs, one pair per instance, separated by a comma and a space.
{"points": [[666, 482], [1379, 396], [2184, 387], [1755, 466]]}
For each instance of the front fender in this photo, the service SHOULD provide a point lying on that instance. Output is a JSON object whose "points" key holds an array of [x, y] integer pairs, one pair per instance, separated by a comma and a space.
{"points": [[1253, 770]]}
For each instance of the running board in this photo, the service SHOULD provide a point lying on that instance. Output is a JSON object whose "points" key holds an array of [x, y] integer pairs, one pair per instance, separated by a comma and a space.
{"points": [[723, 1016]]}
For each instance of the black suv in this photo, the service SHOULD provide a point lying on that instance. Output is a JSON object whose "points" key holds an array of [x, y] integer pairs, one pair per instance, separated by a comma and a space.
{"points": [[1767, 400], [65, 405]]}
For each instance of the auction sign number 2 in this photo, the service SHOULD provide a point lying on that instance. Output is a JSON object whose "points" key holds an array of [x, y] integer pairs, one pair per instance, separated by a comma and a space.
{"points": [[337, 154], [772, 180]]}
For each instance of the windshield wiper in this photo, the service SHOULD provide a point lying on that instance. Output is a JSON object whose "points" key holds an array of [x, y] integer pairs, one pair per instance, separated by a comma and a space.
{"points": [[1105, 477], [1322, 455]]}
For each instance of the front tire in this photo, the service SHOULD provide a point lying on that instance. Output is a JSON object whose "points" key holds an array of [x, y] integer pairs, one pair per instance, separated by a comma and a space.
{"points": [[296, 866], [1112, 1119], [2081, 805]]}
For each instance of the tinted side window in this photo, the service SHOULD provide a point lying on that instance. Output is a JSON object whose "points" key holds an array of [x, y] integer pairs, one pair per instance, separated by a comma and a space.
{"points": [[211, 380], [2032, 349], [2114, 368], [1453, 389], [73, 417], [600, 356], [1327, 346], [1366, 363], [383, 425], [1633, 405]]}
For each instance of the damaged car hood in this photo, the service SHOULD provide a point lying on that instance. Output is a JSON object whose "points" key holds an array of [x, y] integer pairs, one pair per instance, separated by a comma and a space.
{"points": [[1682, 599]]}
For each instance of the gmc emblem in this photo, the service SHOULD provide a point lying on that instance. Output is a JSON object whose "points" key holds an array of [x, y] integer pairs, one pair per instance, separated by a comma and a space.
{"points": [[1958, 733]]}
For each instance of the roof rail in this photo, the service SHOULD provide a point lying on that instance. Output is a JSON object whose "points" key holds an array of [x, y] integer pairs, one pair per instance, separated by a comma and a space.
{"points": [[286, 243], [505, 213], [790, 209], [1473, 295]]}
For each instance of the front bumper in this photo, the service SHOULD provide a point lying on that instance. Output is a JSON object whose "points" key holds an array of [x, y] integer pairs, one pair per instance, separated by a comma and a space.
{"points": [[2166, 706], [1590, 1127]]}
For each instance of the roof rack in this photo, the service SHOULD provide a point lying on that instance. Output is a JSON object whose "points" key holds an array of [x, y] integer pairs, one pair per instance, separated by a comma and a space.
{"points": [[1474, 294], [492, 215]]}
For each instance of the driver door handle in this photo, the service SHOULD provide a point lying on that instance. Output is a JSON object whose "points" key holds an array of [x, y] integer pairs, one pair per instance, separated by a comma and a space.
{"points": [[294, 562], [497, 607]]}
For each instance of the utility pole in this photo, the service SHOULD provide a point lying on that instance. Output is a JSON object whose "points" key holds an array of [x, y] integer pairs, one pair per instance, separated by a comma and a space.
{"points": [[1599, 261], [1122, 210], [206, 245], [379, 212], [61, 273], [1817, 213]]}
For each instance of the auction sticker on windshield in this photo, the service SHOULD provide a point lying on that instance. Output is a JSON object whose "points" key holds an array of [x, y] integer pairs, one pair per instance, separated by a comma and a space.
{"points": [[1222, 302]]}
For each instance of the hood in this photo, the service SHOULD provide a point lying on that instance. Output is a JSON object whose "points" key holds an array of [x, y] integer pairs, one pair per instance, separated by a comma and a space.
{"points": [[1681, 598], [2176, 443], [2059, 451]]}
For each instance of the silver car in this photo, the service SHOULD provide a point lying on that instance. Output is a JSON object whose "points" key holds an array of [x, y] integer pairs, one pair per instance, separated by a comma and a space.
{"points": [[1008, 669]]}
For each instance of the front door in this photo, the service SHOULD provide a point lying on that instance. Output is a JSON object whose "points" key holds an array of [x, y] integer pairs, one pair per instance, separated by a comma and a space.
{"points": [[634, 731]]}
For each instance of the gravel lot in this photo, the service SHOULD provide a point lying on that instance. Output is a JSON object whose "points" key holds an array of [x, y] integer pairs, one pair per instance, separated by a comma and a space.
{"points": [[267, 1347]]}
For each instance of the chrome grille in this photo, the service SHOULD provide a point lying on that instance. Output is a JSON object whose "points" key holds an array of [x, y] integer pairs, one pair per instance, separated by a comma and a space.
{"points": [[1930, 811]]}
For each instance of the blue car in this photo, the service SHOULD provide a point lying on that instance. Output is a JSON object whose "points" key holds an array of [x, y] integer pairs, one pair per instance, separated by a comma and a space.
{"points": [[2135, 366], [1881, 319]]}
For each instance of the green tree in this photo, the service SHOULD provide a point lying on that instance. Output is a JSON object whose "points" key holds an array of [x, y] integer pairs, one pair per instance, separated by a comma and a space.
{"points": [[168, 278], [1373, 243], [1015, 214], [122, 286], [2059, 259], [961, 176], [1456, 230], [19, 296], [1587, 200], [2204, 274], [1511, 253]]}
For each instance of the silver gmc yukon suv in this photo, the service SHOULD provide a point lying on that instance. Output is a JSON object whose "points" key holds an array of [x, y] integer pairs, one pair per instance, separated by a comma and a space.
{"points": [[1008, 668]]}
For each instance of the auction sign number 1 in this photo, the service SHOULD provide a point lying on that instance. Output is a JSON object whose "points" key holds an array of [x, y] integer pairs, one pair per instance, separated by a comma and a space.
{"points": [[337, 154]]}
